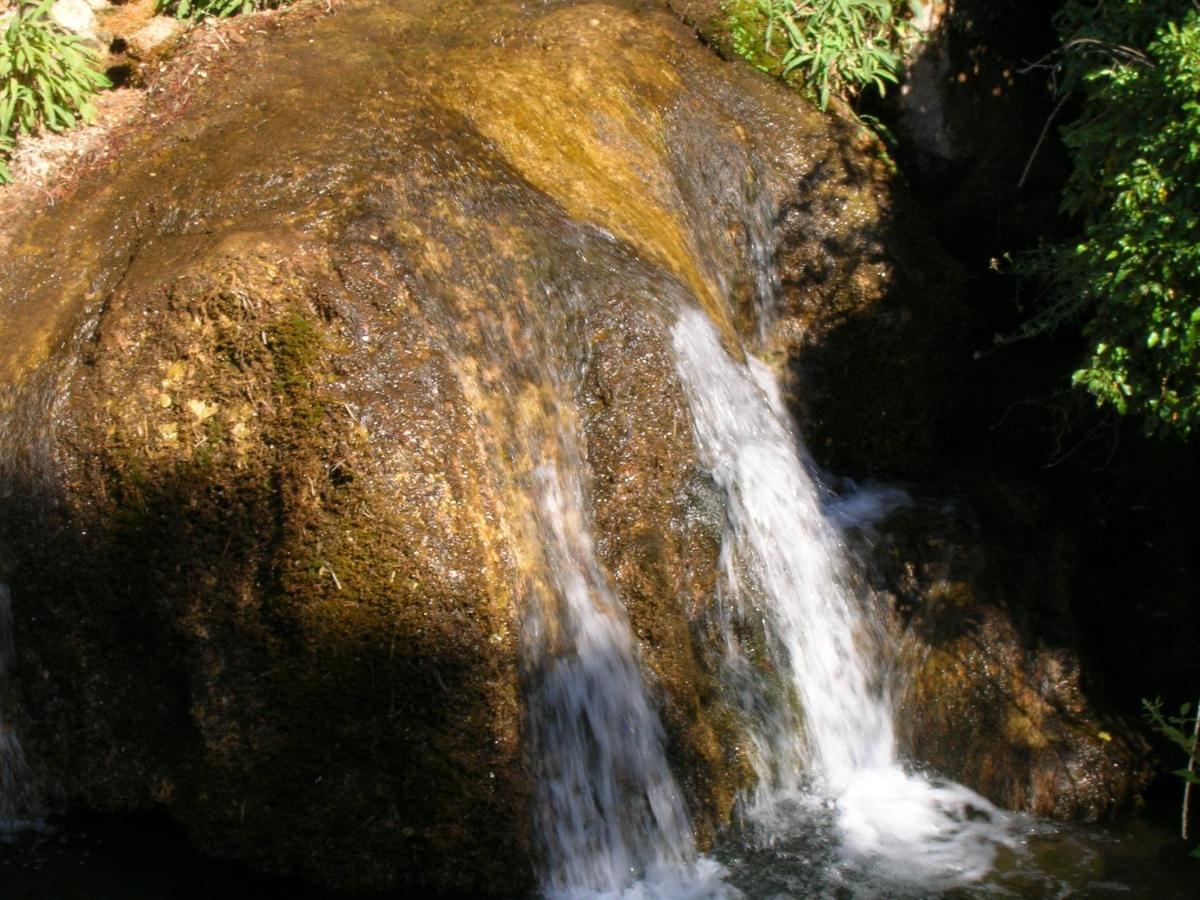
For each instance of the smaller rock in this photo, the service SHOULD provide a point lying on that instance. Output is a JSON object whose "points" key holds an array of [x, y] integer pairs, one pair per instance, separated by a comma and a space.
{"points": [[154, 39], [75, 16], [994, 690]]}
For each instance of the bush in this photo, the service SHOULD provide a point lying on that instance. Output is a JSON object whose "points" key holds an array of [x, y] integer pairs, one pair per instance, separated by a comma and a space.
{"points": [[1135, 185], [219, 9], [6, 148], [47, 78], [1183, 731], [836, 47]]}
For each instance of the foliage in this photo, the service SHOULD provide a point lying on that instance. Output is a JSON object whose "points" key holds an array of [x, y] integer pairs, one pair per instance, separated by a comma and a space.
{"points": [[1175, 729], [6, 148], [47, 77], [1135, 185], [218, 9], [837, 47], [747, 31]]}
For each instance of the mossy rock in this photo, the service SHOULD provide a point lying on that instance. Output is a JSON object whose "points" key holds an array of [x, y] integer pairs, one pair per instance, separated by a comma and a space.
{"points": [[270, 437]]}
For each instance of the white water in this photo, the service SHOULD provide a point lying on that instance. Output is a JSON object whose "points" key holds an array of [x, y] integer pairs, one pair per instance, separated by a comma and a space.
{"points": [[832, 750], [804, 662], [610, 815]]}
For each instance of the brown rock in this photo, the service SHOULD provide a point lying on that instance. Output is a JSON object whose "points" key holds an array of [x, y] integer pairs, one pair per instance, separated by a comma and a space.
{"points": [[992, 691]]}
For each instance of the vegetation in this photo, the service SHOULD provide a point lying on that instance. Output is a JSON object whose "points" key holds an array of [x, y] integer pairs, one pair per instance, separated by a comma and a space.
{"points": [[220, 9], [47, 78], [6, 148], [1134, 275], [1175, 729], [835, 47]]}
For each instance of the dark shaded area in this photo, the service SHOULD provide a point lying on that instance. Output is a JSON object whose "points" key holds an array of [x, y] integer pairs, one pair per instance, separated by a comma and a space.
{"points": [[879, 375], [1055, 482], [119, 75], [174, 651], [146, 856]]}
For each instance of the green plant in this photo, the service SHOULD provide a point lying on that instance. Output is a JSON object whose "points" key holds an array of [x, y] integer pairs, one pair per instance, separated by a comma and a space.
{"points": [[838, 47], [47, 78], [6, 148], [1134, 275], [1175, 729], [218, 9]]}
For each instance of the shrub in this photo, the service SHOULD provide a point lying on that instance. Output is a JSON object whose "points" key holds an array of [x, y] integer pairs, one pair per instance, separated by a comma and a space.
{"points": [[6, 148], [218, 9], [1183, 731], [836, 47], [1135, 273], [47, 78]]}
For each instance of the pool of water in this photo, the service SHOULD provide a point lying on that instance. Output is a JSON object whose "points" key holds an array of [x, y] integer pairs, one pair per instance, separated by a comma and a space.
{"points": [[145, 857], [1131, 858]]}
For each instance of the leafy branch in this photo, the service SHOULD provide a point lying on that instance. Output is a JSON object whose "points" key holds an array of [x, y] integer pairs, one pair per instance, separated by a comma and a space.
{"points": [[1174, 729], [217, 9], [1135, 188]]}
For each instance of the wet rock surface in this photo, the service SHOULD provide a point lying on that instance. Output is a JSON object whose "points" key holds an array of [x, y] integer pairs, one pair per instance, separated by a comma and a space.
{"points": [[991, 691], [270, 433], [276, 388]]}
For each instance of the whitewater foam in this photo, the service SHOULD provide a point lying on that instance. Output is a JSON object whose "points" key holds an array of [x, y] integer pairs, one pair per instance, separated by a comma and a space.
{"points": [[831, 748]]}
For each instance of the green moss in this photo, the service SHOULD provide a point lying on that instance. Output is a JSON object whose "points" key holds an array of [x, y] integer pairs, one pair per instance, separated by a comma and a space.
{"points": [[296, 349], [746, 25]]}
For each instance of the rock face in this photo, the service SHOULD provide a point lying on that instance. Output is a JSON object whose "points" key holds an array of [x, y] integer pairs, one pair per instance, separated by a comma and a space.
{"points": [[275, 391], [269, 437], [978, 121], [992, 694]]}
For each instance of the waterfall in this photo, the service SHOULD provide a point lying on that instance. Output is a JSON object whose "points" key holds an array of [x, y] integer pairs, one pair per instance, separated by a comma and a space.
{"points": [[610, 816], [778, 544], [804, 663], [821, 715]]}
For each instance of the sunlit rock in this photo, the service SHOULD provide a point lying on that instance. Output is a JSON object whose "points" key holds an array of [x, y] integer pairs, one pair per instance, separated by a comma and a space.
{"points": [[335, 413]]}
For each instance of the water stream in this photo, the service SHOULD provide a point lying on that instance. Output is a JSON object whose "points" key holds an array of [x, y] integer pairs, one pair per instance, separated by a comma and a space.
{"points": [[609, 805], [816, 699], [804, 663], [831, 750]]}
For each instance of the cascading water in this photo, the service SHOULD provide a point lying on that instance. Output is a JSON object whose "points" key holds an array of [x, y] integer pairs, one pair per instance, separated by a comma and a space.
{"points": [[609, 808], [828, 744], [803, 663]]}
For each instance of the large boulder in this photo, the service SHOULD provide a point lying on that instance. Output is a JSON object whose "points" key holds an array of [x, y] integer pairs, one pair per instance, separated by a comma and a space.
{"points": [[277, 390], [276, 393]]}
